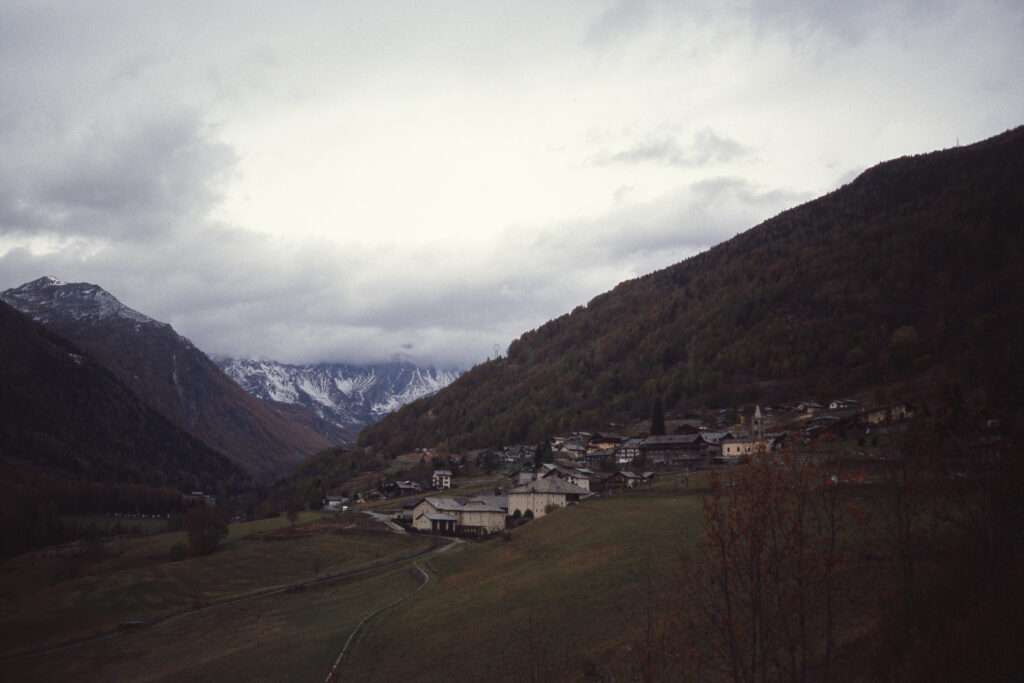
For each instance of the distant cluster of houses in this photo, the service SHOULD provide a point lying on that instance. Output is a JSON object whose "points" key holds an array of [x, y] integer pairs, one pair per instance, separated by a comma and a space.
{"points": [[592, 463]]}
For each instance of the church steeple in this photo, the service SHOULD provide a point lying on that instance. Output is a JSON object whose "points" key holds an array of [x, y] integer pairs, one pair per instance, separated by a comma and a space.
{"points": [[758, 423]]}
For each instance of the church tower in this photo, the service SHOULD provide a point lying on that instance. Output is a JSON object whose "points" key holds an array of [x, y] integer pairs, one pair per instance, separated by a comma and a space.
{"points": [[758, 424]]}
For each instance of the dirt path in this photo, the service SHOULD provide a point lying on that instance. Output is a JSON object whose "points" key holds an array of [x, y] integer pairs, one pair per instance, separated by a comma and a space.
{"points": [[334, 674]]}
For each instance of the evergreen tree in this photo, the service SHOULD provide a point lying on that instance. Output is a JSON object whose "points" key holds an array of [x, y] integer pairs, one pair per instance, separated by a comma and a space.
{"points": [[543, 453], [657, 417]]}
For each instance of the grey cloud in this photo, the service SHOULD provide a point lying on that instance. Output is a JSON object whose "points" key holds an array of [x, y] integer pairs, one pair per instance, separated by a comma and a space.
{"points": [[108, 155], [707, 147], [623, 18], [236, 293], [114, 179]]}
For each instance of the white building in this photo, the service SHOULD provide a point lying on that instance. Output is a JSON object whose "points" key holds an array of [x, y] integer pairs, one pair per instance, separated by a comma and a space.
{"points": [[442, 479], [479, 515], [533, 499]]}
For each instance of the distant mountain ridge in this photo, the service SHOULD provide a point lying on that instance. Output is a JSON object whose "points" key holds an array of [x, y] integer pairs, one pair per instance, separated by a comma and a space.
{"points": [[349, 396], [907, 275], [174, 377]]}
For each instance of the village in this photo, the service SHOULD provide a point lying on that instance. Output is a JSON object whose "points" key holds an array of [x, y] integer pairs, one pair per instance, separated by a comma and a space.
{"points": [[533, 481]]}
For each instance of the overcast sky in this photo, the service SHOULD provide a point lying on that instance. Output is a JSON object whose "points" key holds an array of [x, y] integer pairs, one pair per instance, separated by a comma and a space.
{"points": [[351, 180]]}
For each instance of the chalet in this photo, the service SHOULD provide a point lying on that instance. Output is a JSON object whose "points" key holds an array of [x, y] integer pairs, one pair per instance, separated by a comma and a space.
{"points": [[737, 448], [599, 458], [580, 477], [518, 453], [600, 442], [622, 480], [843, 404], [398, 489], [477, 516], [574, 448], [893, 413], [713, 442], [672, 449], [534, 499], [628, 451], [198, 498], [442, 479], [336, 503]]}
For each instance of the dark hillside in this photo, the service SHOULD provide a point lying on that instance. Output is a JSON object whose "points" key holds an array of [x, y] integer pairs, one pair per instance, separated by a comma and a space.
{"points": [[67, 416], [174, 377], [909, 273]]}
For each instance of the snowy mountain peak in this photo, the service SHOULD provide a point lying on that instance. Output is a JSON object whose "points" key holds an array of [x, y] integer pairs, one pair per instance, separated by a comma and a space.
{"points": [[349, 396], [47, 298], [44, 281]]}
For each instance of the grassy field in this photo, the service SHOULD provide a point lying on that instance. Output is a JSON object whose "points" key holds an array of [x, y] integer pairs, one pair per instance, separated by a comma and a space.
{"points": [[42, 604], [284, 637], [109, 524], [564, 597], [570, 587]]}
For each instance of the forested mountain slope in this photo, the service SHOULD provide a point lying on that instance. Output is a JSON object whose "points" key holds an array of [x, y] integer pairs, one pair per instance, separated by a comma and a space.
{"points": [[66, 417], [913, 270], [172, 376]]}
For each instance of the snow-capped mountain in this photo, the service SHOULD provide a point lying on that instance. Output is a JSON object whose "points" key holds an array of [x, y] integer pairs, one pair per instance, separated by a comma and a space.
{"points": [[350, 396], [47, 299]]}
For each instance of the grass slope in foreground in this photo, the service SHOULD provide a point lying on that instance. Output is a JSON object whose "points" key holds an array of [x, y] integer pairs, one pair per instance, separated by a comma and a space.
{"points": [[45, 606], [568, 589]]}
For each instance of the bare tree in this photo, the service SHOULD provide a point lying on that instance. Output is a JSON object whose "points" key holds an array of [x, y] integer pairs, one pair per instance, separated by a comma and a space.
{"points": [[768, 575]]}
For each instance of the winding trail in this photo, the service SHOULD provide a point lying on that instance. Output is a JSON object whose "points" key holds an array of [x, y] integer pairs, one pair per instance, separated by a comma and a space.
{"points": [[334, 674]]}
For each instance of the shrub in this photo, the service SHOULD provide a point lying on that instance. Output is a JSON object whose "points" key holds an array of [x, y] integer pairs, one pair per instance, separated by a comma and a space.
{"points": [[206, 527]]}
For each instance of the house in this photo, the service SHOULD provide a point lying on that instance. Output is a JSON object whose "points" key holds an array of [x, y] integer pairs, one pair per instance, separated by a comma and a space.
{"points": [[843, 404], [519, 453], [476, 516], [599, 458], [672, 449], [198, 498], [713, 442], [628, 451], [893, 413], [336, 503], [534, 499], [397, 489], [579, 476], [622, 480], [574, 448], [442, 479], [737, 448], [601, 442]]}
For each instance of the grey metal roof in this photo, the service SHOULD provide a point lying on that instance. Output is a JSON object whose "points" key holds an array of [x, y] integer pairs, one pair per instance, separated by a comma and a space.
{"points": [[444, 503], [440, 517], [716, 437], [550, 485], [671, 439]]}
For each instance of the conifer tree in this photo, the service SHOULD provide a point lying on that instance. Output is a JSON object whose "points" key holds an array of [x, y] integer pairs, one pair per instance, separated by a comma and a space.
{"points": [[657, 417], [543, 453]]}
